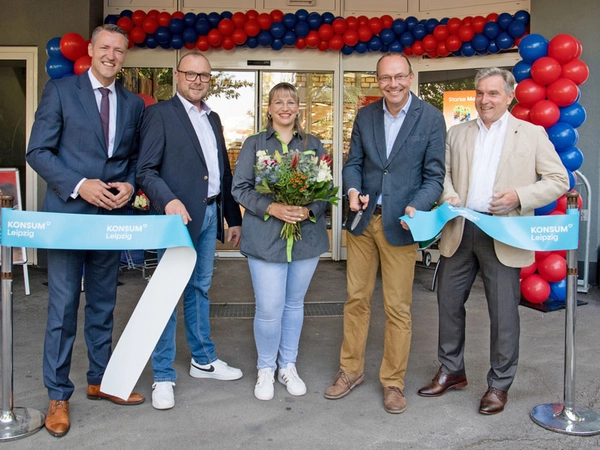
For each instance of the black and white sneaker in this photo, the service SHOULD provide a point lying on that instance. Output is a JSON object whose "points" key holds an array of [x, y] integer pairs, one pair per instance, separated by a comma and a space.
{"points": [[217, 370]]}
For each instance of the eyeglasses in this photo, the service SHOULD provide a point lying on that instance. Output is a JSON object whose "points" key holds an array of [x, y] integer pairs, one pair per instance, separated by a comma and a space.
{"points": [[191, 76], [399, 77]]}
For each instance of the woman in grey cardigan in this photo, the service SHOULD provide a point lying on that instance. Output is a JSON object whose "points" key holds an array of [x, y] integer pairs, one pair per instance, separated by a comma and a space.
{"points": [[279, 285]]}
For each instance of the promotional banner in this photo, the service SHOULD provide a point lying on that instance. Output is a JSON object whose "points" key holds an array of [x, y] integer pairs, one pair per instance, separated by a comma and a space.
{"points": [[112, 232], [538, 233]]}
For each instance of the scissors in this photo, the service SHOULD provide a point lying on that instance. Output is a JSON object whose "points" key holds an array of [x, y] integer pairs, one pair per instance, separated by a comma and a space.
{"points": [[359, 214]]}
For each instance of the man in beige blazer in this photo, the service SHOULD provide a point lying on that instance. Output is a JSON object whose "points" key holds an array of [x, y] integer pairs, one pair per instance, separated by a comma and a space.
{"points": [[502, 166]]}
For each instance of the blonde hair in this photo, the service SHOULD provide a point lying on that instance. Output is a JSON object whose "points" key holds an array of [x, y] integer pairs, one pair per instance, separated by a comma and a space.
{"points": [[290, 89]]}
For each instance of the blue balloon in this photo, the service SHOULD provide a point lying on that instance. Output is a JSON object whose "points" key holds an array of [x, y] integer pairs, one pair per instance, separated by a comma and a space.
{"points": [[277, 44], [504, 20], [578, 94], [407, 39], [562, 135], [533, 47], [419, 32], [214, 18], [328, 17], [492, 47], [177, 41], [558, 290], [176, 26], [411, 21], [151, 41], [466, 49], [126, 13], [574, 114], [162, 35], [202, 27], [314, 20], [302, 14], [347, 50], [277, 30], [572, 180], [289, 20], [516, 29], [375, 44], [302, 29], [572, 158], [190, 36], [385, 48], [491, 30], [58, 67], [504, 41], [289, 38], [399, 26], [522, 16], [226, 15], [252, 42], [202, 16], [423, 21], [189, 19], [480, 42], [431, 24], [522, 71], [264, 38], [544, 210], [444, 21], [361, 47], [53, 47], [396, 47], [111, 19], [165, 45], [387, 36]]}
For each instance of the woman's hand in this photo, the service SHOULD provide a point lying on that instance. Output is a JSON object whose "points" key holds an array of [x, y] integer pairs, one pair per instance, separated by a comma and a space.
{"points": [[287, 213]]}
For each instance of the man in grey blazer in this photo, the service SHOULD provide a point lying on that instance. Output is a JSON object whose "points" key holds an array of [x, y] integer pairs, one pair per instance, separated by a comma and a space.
{"points": [[88, 171], [395, 166], [502, 166], [184, 169]]}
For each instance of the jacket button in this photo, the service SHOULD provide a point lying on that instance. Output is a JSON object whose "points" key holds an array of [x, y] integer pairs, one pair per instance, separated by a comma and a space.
{"points": [[385, 172], [205, 177]]}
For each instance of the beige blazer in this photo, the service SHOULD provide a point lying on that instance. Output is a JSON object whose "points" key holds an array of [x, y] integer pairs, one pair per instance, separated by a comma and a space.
{"points": [[529, 164]]}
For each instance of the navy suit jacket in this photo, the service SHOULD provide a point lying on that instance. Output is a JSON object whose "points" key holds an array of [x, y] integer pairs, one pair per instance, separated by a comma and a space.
{"points": [[413, 175], [67, 142], [172, 166]]}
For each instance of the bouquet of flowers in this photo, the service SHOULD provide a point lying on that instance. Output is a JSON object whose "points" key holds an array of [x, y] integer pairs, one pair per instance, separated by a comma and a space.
{"points": [[295, 178], [141, 201]]}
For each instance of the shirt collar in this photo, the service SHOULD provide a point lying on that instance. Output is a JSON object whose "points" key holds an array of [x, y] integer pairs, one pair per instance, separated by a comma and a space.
{"points": [[96, 84], [404, 108], [497, 124], [271, 131], [188, 106]]}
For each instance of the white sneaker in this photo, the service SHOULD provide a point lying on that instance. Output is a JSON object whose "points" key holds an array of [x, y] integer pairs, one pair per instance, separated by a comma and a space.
{"points": [[217, 370], [288, 376], [264, 384], [162, 395]]}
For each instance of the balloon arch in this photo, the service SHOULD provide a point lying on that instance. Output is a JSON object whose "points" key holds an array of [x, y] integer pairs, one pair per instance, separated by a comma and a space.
{"points": [[548, 75]]}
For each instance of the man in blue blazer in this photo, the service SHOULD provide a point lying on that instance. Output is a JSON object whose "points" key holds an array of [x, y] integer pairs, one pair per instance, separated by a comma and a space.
{"points": [[395, 166], [184, 169], [68, 149]]}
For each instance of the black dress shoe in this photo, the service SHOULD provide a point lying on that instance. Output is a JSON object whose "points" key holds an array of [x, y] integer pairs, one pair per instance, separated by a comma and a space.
{"points": [[441, 383], [493, 401]]}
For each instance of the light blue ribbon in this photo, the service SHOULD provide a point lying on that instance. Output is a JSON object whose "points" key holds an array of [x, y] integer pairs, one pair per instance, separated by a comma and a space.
{"points": [[539, 233]]}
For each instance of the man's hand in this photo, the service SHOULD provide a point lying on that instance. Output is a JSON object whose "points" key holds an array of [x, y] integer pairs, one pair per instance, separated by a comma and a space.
{"points": [[176, 207], [454, 201], [355, 200], [97, 192], [504, 202], [234, 235], [125, 191], [410, 212]]}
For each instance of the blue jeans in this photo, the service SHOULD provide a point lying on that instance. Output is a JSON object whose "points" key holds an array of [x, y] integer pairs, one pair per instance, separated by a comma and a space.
{"points": [[279, 289], [196, 307]]}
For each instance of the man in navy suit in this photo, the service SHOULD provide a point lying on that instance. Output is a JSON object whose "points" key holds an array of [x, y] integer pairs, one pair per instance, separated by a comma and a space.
{"points": [[68, 149], [184, 169], [395, 166]]}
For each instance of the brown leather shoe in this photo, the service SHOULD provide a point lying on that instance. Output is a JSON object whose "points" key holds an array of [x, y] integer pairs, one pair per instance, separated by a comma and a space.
{"points": [[493, 401], [393, 400], [342, 385], [94, 393], [57, 420], [441, 383]]}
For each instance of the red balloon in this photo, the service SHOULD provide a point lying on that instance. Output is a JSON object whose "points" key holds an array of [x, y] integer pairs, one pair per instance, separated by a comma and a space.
{"points": [[477, 23], [163, 19], [363, 20], [491, 17], [441, 49], [563, 92], [339, 25], [300, 43], [432, 55], [540, 255], [312, 39], [545, 70], [466, 33], [563, 48], [529, 270], [453, 25], [138, 17], [276, 15], [239, 36], [561, 203], [202, 43], [440, 33], [239, 19], [375, 25], [350, 37], [521, 112], [150, 25], [73, 46], [364, 33], [453, 43], [535, 289], [575, 70], [125, 23], [418, 49], [264, 21], [352, 22], [528, 92], [336, 43], [214, 37], [387, 21], [148, 99], [553, 268], [326, 32], [467, 20], [544, 113], [178, 15], [189, 45], [228, 43], [323, 46], [252, 14], [561, 253], [408, 51], [153, 13], [252, 28], [137, 35], [82, 64], [429, 43], [226, 27]]}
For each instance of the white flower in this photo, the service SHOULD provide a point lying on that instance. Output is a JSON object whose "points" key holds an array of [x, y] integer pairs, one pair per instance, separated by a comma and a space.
{"points": [[324, 173]]}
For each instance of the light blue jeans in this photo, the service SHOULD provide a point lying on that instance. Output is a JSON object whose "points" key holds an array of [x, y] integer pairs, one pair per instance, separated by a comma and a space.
{"points": [[196, 307], [279, 289]]}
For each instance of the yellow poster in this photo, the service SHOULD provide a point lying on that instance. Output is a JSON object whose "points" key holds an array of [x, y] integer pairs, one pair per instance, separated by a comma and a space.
{"points": [[459, 106]]}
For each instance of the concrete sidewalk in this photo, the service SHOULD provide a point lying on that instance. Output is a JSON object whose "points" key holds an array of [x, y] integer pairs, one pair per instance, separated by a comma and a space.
{"points": [[225, 415]]}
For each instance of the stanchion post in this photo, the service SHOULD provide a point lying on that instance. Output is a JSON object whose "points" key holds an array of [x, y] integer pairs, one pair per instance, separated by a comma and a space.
{"points": [[566, 417], [15, 423]]}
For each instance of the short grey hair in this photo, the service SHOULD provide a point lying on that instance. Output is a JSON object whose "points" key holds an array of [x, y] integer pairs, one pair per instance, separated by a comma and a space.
{"points": [[111, 28], [507, 76]]}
